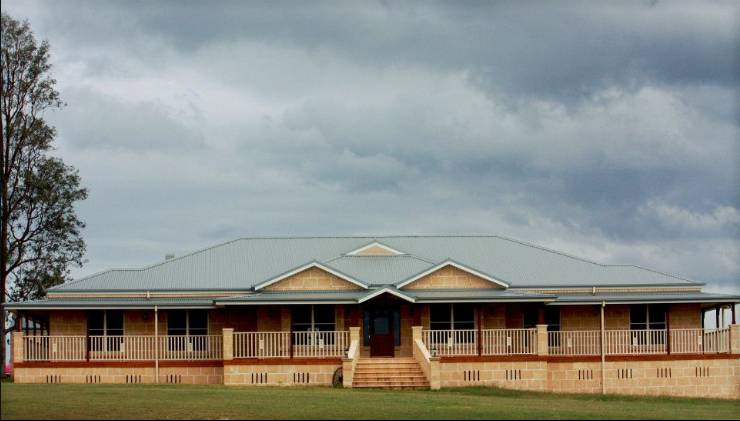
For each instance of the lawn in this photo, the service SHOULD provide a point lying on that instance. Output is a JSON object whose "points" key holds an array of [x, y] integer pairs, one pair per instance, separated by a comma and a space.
{"points": [[219, 402]]}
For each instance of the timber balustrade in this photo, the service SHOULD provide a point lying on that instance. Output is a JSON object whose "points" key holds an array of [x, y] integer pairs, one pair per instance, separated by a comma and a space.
{"points": [[336, 344], [493, 342], [640, 342], [122, 348], [310, 344]]}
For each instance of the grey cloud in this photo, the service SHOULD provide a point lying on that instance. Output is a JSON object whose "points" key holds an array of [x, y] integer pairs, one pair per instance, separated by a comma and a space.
{"points": [[605, 130], [518, 48], [97, 120]]}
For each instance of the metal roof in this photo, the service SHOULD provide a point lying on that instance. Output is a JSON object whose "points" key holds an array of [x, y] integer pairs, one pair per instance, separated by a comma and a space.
{"points": [[477, 295], [241, 264], [100, 303], [359, 296], [380, 270], [356, 297], [664, 297]]}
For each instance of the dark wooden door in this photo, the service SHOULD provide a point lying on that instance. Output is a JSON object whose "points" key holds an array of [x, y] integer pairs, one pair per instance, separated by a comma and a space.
{"points": [[382, 335]]}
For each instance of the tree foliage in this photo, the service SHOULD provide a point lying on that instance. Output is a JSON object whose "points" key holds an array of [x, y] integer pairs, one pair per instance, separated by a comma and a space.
{"points": [[40, 233]]}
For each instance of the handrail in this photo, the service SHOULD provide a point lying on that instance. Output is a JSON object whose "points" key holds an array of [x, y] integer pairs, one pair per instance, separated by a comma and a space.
{"points": [[309, 344]]}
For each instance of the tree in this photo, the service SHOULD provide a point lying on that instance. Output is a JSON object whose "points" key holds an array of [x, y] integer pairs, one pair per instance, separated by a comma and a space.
{"points": [[40, 233]]}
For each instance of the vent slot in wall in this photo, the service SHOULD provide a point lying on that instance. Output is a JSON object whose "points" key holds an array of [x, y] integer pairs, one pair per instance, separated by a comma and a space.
{"points": [[513, 374], [301, 378], [664, 373], [259, 378], [471, 375]]}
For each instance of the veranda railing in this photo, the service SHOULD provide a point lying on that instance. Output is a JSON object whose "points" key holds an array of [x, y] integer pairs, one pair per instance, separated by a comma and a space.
{"points": [[122, 348], [310, 344], [454, 342]]}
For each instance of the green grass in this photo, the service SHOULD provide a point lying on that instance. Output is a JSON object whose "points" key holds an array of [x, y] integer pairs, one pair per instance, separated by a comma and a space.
{"points": [[220, 402]]}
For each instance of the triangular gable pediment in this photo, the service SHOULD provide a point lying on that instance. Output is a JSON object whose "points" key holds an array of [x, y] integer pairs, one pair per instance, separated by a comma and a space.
{"points": [[312, 277], [375, 249], [451, 275], [386, 290]]}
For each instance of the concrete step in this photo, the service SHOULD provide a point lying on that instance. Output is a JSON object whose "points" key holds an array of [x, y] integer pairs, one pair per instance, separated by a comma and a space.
{"points": [[379, 371], [386, 360], [389, 373], [394, 385], [390, 365], [390, 379]]}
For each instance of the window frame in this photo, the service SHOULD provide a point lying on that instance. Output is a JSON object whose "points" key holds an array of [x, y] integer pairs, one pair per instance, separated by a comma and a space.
{"points": [[187, 323], [105, 328], [553, 310], [312, 324], [648, 323], [109, 342], [451, 322]]}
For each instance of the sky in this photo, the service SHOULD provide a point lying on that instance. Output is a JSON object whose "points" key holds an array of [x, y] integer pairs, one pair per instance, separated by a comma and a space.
{"points": [[608, 130]]}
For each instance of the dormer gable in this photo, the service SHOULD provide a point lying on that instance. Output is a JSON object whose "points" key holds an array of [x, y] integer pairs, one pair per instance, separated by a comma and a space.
{"points": [[375, 249], [312, 277], [451, 275]]}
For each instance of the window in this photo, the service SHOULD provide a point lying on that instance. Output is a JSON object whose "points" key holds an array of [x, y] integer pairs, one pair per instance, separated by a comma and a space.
{"points": [[187, 322], [451, 316], [530, 316], [105, 323], [647, 317], [109, 325], [552, 318], [324, 318], [310, 318], [440, 317], [302, 319], [313, 318], [33, 326]]}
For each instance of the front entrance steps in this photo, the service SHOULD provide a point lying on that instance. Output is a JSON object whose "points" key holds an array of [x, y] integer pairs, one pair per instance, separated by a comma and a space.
{"points": [[389, 373]]}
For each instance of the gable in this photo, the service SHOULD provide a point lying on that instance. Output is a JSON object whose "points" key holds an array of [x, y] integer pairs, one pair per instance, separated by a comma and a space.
{"points": [[375, 249], [451, 277], [313, 279]]}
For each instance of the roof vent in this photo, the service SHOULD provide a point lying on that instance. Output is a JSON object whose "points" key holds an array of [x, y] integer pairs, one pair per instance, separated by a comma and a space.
{"points": [[169, 256]]}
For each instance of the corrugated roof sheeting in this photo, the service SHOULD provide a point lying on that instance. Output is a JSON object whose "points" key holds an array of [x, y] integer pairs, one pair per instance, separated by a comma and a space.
{"points": [[241, 264], [666, 297], [380, 270], [113, 303]]}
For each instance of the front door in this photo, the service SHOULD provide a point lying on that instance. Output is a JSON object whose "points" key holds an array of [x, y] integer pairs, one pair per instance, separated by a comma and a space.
{"points": [[382, 335]]}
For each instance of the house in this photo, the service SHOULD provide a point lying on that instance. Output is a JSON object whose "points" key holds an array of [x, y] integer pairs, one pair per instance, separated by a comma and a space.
{"points": [[396, 311]]}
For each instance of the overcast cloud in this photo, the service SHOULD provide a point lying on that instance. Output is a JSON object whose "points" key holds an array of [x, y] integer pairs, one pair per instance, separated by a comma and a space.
{"points": [[607, 130]]}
